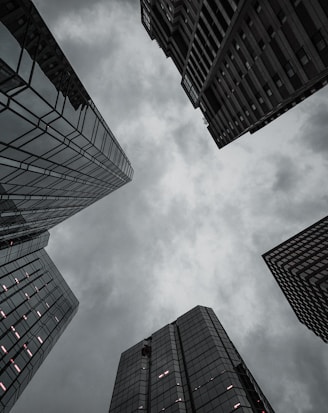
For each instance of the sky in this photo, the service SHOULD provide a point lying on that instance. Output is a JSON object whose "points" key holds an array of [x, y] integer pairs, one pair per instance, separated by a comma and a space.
{"points": [[189, 229]]}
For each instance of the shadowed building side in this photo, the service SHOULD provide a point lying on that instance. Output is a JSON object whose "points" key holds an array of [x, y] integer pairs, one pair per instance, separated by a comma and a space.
{"points": [[300, 267], [242, 62], [36, 305], [188, 366]]}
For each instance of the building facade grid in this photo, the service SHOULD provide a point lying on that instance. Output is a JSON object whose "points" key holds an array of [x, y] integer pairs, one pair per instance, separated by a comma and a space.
{"points": [[36, 306], [57, 154], [191, 366], [300, 267], [242, 62]]}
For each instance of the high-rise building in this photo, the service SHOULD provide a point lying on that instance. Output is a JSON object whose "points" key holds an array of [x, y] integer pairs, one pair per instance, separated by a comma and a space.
{"points": [[57, 154], [300, 267], [188, 366], [243, 62], [36, 306]]}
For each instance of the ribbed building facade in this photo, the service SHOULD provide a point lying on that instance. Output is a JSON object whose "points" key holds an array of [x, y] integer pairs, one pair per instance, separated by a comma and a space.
{"points": [[36, 305], [188, 366], [57, 154], [300, 267], [242, 62]]}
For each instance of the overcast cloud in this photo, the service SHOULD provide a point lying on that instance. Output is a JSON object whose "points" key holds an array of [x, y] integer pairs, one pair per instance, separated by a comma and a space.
{"points": [[190, 229]]}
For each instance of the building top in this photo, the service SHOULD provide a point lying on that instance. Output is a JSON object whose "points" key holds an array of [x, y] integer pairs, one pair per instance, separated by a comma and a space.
{"points": [[243, 62], [303, 237], [25, 23], [189, 365], [42, 47]]}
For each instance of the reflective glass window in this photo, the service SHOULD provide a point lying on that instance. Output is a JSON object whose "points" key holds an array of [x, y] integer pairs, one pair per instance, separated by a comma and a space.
{"points": [[33, 102], [89, 123], [9, 48], [25, 66], [70, 113], [12, 126], [43, 85]]}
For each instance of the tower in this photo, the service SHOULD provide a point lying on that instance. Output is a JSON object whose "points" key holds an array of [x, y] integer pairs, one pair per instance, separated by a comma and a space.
{"points": [[36, 305], [57, 154], [300, 267], [242, 62], [188, 366]]}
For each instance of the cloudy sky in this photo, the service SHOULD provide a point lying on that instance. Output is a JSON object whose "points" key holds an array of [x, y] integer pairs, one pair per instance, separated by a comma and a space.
{"points": [[190, 229]]}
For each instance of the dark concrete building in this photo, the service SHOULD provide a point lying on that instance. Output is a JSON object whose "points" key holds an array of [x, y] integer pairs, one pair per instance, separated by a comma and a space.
{"points": [[57, 154], [300, 267], [36, 305], [243, 62], [188, 366]]}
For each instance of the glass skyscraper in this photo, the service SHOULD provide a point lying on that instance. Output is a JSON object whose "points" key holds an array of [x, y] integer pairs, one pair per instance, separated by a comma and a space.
{"points": [[57, 156], [300, 267], [188, 366], [36, 306], [242, 62]]}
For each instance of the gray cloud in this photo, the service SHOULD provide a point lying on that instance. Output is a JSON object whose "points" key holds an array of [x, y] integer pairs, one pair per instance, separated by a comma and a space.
{"points": [[314, 131], [287, 175]]}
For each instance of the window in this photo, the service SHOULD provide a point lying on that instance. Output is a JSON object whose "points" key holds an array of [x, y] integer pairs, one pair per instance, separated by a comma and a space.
{"points": [[303, 57], [281, 16], [270, 31], [267, 89], [277, 80], [261, 44], [319, 41], [246, 112], [249, 21], [257, 7], [289, 70], [260, 99]]}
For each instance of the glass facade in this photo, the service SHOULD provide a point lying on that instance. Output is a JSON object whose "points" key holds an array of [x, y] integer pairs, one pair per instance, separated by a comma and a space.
{"points": [[36, 306], [57, 154], [243, 62], [300, 267], [188, 366]]}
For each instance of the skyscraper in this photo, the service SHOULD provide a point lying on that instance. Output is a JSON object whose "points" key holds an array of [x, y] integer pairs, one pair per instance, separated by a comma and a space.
{"points": [[242, 62], [57, 154], [36, 306], [300, 267], [189, 366]]}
